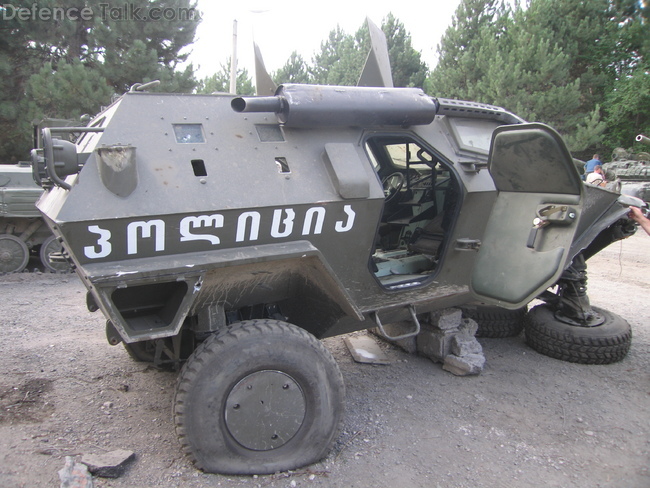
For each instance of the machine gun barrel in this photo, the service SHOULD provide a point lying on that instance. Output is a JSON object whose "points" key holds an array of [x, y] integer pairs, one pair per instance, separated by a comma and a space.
{"points": [[336, 106], [257, 104], [643, 139]]}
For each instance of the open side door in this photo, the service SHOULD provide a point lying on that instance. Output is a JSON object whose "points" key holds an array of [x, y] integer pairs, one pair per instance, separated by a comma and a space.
{"points": [[534, 219]]}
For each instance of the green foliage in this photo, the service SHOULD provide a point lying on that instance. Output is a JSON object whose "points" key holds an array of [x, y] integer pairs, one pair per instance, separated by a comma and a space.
{"points": [[342, 56], [475, 23], [66, 92], [295, 70], [220, 82], [556, 61], [65, 67], [627, 105], [628, 109], [406, 63]]}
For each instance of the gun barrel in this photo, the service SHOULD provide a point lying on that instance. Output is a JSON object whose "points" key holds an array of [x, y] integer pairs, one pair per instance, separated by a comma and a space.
{"points": [[338, 106], [257, 104], [643, 139]]}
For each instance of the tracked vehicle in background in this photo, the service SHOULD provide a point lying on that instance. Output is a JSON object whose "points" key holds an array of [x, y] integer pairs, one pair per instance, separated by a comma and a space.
{"points": [[22, 229], [631, 171], [230, 234]]}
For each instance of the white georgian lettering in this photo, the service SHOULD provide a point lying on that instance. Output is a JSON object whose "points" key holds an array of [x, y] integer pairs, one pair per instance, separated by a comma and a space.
{"points": [[287, 222], [132, 235], [102, 241], [188, 223], [241, 226], [309, 216], [340, 226]]}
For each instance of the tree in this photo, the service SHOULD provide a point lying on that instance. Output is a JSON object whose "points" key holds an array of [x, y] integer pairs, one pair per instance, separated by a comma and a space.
{"points": [[342, 56], [543, 62], [295, 70], [340, 59], [74, 64], [407, 66], [474, 23], [220, 82], [627, 105], [628, 109], [71, 89]]}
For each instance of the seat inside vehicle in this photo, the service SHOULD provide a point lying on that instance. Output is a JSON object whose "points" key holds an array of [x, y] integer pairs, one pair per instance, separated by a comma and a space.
{"points": [[421, 197]]}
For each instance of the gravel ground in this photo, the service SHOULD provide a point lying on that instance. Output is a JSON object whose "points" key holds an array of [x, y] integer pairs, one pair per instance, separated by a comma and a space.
{"points": [[526, 421]]}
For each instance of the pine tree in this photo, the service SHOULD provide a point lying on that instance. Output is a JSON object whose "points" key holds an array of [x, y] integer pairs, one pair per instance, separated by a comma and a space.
{"points": [[220, 82], [627, 105], [545, 62], [342, 56], [406, 63], [295, 70], [66, 67]]}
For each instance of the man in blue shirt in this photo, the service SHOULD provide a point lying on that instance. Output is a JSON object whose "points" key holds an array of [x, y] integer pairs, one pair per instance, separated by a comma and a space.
{"points": [[592, 163]]}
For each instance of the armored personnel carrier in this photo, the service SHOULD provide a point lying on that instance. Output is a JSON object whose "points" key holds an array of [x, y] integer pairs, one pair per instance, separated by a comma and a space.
{"points": [[631, 171], [22, 229], [229, 234]]}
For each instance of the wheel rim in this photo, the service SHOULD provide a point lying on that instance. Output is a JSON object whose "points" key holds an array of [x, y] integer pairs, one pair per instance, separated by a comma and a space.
{"points": [[264, 410], [49, 246], [14, 254]]}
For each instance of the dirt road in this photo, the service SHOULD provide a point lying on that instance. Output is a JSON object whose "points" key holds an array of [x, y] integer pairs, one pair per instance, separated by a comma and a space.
{"points": [[526, 421]]}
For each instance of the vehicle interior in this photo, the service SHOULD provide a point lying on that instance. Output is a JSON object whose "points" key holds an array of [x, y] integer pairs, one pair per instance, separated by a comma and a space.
{"points": [[421, 202]]}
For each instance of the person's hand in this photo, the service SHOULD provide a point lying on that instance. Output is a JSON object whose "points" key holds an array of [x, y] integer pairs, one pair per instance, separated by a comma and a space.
{"points": [[636, 214]]}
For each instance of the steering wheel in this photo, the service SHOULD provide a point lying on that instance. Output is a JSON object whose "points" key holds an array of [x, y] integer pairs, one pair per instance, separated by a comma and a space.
{"points": [[392, 184]]}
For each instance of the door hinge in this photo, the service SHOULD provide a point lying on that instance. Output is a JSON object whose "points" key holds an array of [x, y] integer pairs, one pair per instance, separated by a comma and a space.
{"points": [[466, 244]]}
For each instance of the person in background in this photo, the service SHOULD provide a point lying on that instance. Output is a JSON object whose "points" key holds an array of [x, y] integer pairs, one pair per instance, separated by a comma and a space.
{"points": [[592, 163], [597, 176], [636, 214]]}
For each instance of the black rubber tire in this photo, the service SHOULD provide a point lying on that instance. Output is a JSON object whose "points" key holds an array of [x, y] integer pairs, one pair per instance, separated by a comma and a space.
{"points": [[495, 322], [212, 375], [603, 344]]}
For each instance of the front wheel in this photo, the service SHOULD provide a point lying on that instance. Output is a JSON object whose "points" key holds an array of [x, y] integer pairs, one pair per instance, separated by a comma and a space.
{"points": [[606, 343], [259, 397]]}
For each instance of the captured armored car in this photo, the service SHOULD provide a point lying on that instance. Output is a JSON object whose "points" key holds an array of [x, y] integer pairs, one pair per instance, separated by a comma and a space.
{"points": [[233, 233]]}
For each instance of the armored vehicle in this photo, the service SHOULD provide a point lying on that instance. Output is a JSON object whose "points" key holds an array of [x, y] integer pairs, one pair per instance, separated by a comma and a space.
{"points": [[630, 171], [22, 229], [232, 233]]}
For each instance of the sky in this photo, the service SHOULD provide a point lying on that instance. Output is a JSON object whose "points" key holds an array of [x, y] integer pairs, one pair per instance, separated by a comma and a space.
{"points": [[281, 27]]}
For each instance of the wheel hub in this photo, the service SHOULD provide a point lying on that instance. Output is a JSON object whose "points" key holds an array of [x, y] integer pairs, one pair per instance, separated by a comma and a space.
{"points": [[592, 319], [13, 254], [264, 410]]}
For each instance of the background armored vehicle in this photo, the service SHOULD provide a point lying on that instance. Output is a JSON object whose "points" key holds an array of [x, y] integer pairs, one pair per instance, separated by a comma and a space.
{"points": [[22, 229], [631, 171], [232, 233]]}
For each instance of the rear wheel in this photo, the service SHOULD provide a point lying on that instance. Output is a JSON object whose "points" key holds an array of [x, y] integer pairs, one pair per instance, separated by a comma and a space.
{"points": [[14, 254], [606, 343], [261, 396]]}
